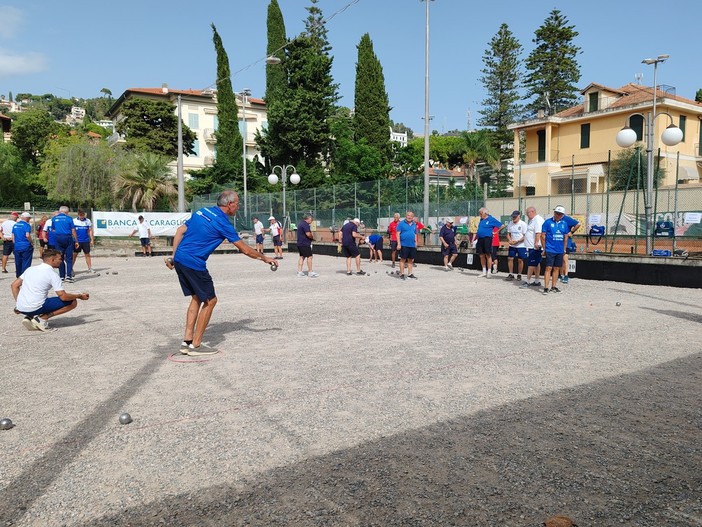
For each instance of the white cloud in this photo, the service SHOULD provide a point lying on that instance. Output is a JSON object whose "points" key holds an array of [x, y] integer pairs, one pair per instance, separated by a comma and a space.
{"points": [[21, 63], [11, 21]]}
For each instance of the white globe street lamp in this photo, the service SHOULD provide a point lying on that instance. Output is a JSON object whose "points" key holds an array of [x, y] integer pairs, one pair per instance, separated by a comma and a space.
{"points": [[285, 172], [671, 136]]}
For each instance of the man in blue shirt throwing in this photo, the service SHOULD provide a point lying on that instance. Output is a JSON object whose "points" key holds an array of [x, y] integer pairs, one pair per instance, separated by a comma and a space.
{"points": [[554, 236], [484, 235], [193, 243], [407, 244]]}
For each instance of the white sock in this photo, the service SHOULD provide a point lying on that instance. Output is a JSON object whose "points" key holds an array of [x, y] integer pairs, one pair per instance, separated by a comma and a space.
{"points": [[484, 270]]}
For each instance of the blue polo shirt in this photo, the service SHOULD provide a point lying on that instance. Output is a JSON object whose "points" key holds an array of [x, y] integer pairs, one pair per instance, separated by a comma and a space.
{"points": [[347, 231], [448, 234], [407, 233], [485, 226], [19, 231], [555, 232], [373, 238], [302, 229], [207, 229], [571, 222], [83, 229], [62, 224]]}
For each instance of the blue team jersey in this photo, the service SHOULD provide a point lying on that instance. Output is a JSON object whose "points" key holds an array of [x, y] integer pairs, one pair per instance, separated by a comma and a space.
{"points": [[571, 222], [485, 226], [555, 232], [373, 238], [20, 231], [207, 229], [406, 233], [302, 239], [62, 224], [82, 229]]}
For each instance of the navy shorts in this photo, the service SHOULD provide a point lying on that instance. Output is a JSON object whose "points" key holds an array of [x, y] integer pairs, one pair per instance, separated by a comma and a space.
{"points": [[534, 257], [195, 283], [484, 245], [50, 305], [553, 259], [378, 245], [145, 242], [277, 242], [521, 252], [350, 251], [408, 253], [82, 246], [8, 247], [451, 249], [305, 251], [259, 238], [393, 245]]}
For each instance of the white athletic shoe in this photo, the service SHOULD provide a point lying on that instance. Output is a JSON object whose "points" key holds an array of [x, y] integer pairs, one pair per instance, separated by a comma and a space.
{"points": [[313, 274], [300, 274], [40, 324], [202, 349]]}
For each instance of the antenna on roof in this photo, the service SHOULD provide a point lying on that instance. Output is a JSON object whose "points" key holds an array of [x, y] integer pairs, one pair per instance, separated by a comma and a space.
{"points": [[638, 77]]}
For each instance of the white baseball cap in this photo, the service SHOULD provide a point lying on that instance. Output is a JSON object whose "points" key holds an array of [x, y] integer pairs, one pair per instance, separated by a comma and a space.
{"points": [[560, 209], [25, 215], [271, 218], [356, 220]]}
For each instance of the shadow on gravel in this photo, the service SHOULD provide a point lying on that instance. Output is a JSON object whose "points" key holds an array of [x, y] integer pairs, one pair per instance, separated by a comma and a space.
{"points": [[67, 321], [697, 306], [692, 317], [216, 332], [624, 450], [18, 495]]}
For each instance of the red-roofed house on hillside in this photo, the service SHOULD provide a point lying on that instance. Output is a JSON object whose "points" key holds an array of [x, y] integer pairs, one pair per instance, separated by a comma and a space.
{"points": [[575, 142], [199, 113]]}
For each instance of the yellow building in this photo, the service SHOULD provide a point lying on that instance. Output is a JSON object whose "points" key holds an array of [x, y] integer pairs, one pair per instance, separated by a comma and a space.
{"points": [[572, 147]]}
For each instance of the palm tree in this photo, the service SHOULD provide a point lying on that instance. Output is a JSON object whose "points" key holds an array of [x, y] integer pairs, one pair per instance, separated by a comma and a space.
{"points": [[479, 148], [147, 184]]}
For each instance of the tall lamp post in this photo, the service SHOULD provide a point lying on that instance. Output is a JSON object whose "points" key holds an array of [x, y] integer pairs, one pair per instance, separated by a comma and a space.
{"points": [[671, 136], [294, 179], [426, 115], [244, 94]]}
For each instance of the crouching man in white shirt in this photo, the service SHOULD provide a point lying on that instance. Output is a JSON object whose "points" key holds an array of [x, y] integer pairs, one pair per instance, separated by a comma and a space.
{"points": [[31, 292]]}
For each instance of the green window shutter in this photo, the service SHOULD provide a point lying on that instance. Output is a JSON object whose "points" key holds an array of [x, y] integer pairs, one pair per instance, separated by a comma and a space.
{"points": [[594, 100], [585, 135], [541, 134], [636, 124], [683, 120]]}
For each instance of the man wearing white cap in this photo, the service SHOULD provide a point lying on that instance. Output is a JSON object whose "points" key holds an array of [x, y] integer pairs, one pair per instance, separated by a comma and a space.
{"points": [[7, 245], [449, 251], [22, 241], [276, 231], [349, 235], [554, 237]]}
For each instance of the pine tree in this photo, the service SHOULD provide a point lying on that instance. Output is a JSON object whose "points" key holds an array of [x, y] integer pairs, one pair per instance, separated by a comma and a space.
{"points": [[501, 76], [302, 117], [276, 74], [228, 164], [552, 66], [372, 110]]}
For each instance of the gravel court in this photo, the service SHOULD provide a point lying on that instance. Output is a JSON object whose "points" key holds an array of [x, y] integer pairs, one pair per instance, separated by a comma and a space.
{"points": [[310, 369]]}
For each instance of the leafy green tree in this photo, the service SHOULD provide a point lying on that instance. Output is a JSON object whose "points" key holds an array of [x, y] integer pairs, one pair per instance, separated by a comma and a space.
{"points": [[501, 76], [107, 93], [13, 172], [149, 183], [553, 70], [303, 116], [228, 164], [698, 96], [59, 108], [82, 172], [353, 160], [276, 74], [371, 120], [31, 132], [152, 126], [479, 147], [629, 170]]}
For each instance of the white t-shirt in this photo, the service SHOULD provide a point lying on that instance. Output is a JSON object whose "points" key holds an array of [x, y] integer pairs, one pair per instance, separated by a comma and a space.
{"points": [[517, 231], [47, 226], [275, 229], [143, 229], [37, 281], [7, 229], [258, 227], [533, 233]]}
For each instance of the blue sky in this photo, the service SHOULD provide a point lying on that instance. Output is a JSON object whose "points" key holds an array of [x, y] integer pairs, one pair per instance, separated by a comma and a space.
{"points": [[76, 47]]}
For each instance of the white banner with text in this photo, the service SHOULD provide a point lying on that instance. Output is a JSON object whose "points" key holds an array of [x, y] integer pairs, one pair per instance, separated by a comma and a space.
{"points": [[124, 223]]}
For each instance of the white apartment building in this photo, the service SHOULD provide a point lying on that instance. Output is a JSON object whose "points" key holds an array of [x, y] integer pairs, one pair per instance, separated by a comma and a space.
{"points": [[199, 113], [398, 137]]}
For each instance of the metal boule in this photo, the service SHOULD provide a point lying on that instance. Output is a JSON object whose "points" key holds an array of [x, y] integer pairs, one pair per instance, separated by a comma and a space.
{"points": [[125, 418], [274, 266], [6, 423], [619, 304]]}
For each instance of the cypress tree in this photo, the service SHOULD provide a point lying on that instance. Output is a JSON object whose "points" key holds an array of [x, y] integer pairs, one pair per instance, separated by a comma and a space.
{"points": [[276, 75], [501, 76], [372, 109], [228, 164], [552, 69]]}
